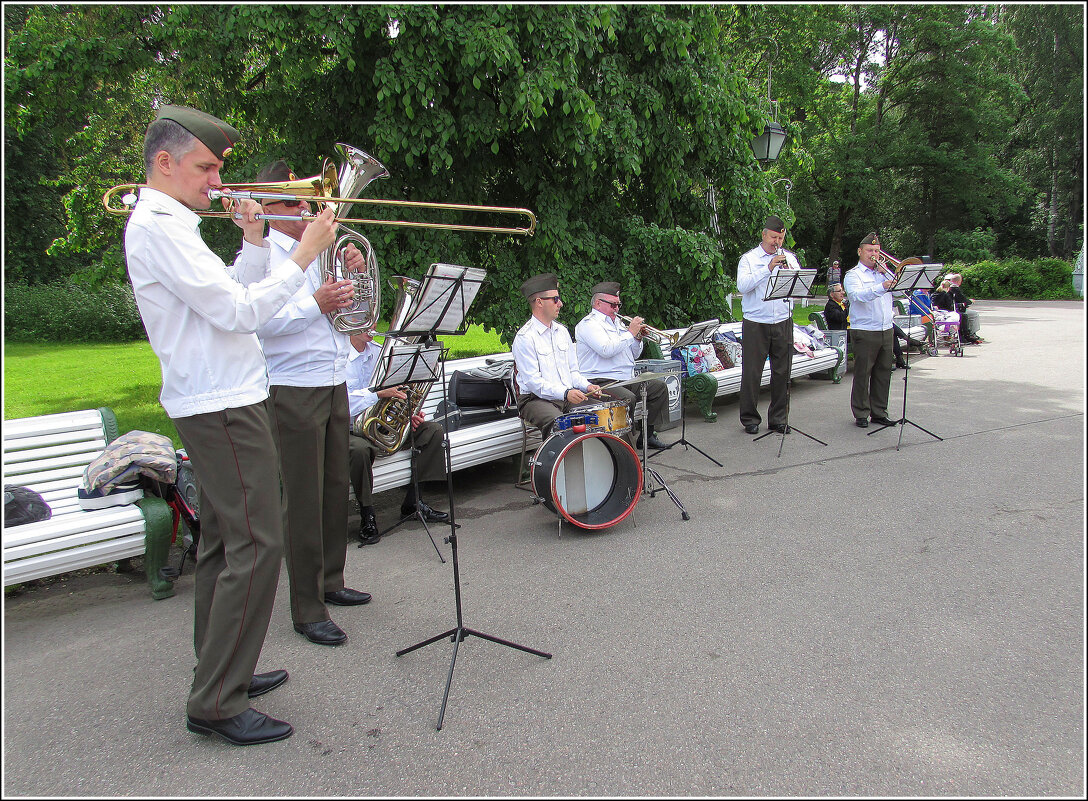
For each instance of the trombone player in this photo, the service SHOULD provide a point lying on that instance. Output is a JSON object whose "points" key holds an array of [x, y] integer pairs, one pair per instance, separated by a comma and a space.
{"points": [[607, 350]]}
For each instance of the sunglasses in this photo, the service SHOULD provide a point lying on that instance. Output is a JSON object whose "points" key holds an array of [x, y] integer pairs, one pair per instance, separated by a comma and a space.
{"points": [[614, 305], [291, 204], [553, 298]]}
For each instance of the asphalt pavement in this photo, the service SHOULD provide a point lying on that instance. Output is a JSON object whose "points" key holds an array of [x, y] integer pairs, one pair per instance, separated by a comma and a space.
{"points": [[870, 617]]}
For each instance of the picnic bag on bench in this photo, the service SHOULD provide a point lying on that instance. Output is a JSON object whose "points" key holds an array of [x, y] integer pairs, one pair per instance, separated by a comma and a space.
{"points": [[479, 396]]}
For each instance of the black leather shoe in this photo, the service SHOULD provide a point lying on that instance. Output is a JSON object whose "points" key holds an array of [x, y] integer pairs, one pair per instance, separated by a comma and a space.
{"points": [[902, 366], [248, 728], [323, 632], [347, 597], [752, 429], [653, 442], [262, 683], [780, 428], [861, 422], [429, 514], [368, 530], [883, 421]]}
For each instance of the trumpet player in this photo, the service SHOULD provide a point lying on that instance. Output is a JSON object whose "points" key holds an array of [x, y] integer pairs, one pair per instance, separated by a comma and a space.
{"points": [[868, 286], [607, 349], [766, 330], [429, 463], [201, 323], [307, 370]]}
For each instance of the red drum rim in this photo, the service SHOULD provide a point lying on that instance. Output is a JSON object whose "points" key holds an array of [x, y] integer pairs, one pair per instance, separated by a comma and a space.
{"points": [[612, 442]]}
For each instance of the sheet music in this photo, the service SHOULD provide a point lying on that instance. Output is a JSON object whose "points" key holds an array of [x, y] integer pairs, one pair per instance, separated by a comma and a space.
{"points": [[405, 367], [698, 333], [444, 300], [784, 283]]}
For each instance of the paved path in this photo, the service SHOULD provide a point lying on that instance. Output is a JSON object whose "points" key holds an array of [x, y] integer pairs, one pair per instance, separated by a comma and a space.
{"points": [[843, 620]]}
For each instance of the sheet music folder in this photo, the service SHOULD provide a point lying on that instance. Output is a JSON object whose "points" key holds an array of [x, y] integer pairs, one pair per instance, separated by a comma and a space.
{"points": [[445, 294]]}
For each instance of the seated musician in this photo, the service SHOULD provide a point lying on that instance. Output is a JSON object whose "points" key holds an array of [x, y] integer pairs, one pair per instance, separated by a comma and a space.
{"points": [[607, 350], [429, 463], [548, 381]]}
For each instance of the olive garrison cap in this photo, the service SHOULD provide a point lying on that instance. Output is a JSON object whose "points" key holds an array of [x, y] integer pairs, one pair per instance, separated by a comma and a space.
{"points": [[607, 288], [540, 283], [276, 172], [774, 224], [212, 131], [870, 239]]}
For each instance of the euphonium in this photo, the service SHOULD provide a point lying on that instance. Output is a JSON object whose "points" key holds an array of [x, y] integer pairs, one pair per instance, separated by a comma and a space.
{"points": [[388, 421], [357, 169]]}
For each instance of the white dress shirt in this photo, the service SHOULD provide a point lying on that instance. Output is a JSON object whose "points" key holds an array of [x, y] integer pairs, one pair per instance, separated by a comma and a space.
{"points": [[752, 278], [870, 302], [606, 348], [360, 370], [300, 344], [200, 320], [544, 356]]}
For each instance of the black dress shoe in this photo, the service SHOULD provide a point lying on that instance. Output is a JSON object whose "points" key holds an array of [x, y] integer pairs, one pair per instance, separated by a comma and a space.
{"points": [[247, 728], [347, 597], [368, 529], [902, 366], [780, 428], [323, 632], [861, 422], [752, 428], [432, 515], [884, 421], [262, 683]]}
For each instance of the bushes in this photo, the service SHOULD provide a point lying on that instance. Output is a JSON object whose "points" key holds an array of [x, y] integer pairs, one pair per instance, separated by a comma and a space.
{"points": [[1018, 279], [71, 313]]}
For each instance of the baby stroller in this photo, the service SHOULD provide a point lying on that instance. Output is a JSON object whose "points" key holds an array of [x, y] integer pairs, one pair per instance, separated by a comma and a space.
{"points": [[946, 333]]}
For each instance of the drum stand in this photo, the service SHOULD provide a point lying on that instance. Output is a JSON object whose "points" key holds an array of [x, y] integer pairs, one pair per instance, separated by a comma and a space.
{"points": [[416, 513], [646, 484], [447, 296]]}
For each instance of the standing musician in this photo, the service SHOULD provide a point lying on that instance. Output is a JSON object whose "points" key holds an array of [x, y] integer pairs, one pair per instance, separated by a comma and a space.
{"points": [[871, 323], [767, 329], [307, 364], [202, 325], [548, 380], [429, 463], [607, 350]]}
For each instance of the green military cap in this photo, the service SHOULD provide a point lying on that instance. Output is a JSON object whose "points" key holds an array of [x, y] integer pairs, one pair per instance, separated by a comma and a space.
{"points": [[540, 283], [775, 224], [870, 239], [276, 172], [212, 131], [606, 288]]}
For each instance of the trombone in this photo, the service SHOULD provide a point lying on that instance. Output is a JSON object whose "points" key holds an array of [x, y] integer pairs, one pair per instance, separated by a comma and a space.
{"points": [[653, 334], [321, 189], [883, 257]]}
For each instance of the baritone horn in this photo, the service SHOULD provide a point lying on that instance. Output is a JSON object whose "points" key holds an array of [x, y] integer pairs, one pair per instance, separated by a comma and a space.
{"points": [[653, 334]]}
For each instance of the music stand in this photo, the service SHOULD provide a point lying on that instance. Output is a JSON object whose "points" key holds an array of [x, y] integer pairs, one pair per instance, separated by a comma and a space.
{"points": [[407, 364], [914, 276], [444, 297], [784, 285], [697, 334]]}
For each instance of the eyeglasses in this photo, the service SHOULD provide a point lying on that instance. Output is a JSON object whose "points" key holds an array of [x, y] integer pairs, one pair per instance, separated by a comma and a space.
{"points": [[553, 298], [291, 204], [614, 304]]}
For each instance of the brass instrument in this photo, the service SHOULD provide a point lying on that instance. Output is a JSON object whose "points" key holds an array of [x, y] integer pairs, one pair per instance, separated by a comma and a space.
{"points": [[323, 189], [653, 334], [388, 421], [882, 258], [784, 252]]}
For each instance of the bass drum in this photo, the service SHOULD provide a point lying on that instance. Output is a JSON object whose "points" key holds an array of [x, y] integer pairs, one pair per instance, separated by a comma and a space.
{"points": [[591, 479]]}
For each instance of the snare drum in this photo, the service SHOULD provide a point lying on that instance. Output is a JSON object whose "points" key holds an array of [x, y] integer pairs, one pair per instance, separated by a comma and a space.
{"points": [[611, 417], [591, 479]]}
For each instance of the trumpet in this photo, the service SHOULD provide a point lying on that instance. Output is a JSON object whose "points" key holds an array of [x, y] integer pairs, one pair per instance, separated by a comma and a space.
{"points": [[322, 189], [653, 334], [784, 252]]}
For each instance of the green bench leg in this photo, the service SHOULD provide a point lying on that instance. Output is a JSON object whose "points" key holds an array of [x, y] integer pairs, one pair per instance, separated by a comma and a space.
{"points": [[159, 530], [702, 388]]}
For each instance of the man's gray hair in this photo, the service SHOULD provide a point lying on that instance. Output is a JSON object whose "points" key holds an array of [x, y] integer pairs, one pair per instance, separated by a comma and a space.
{"points": [[166, 135], [834, 288]]}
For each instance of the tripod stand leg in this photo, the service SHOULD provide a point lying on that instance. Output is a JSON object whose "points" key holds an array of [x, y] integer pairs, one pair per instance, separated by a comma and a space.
{"points": [[449, 678], [507, 643], [427, 642], [656, 477]]}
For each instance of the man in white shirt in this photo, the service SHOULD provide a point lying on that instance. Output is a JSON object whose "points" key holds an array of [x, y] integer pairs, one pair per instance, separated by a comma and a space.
{"points": [[607, 350], [871, 334], [429, 463], [307, 360], [548, 380], [767, 329], [202, 322]]}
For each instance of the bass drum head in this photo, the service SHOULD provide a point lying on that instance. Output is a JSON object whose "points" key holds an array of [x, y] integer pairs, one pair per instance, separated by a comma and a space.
{"points": [[593, 479]]}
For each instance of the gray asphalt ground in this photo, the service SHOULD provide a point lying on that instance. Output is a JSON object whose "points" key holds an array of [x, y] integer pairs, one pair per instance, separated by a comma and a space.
{"points": [[843, 620]]}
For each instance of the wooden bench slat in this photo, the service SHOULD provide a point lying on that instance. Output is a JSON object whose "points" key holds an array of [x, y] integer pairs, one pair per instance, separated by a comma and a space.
{"points": [[46, 449], [51, 564], [88, 420], [57, 528]]}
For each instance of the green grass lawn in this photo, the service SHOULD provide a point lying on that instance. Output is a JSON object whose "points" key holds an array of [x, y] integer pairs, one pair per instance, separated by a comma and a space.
{"points": [[47, 379]]}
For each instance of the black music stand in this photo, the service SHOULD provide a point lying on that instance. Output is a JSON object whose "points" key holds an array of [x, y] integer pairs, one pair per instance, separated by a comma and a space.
{"points": [[444, 297], [785, 285], [920, 276], [406, 364], [697, 334]]}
